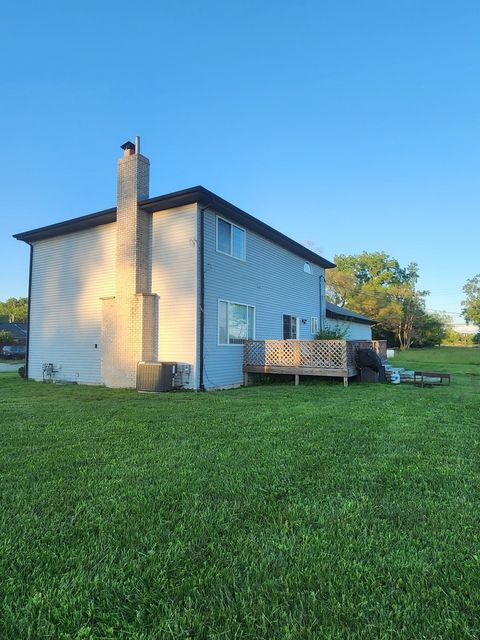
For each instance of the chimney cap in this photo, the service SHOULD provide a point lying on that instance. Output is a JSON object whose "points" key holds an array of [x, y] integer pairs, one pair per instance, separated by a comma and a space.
{"points": [[128, 145]]}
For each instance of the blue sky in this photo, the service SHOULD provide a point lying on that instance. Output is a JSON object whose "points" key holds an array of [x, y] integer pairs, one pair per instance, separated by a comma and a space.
{"points": [[351, 124]]}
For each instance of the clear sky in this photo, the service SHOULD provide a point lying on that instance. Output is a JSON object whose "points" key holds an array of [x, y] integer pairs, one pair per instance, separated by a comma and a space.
{"points": [[352, 124]]}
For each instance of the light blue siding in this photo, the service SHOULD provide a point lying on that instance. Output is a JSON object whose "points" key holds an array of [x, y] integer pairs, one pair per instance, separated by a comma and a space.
{"points": [[271, 279]]}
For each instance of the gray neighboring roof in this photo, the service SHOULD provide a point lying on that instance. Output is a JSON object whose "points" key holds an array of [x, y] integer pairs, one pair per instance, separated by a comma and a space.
{"points": [[200, 195], [17, 329], [340, 313]]}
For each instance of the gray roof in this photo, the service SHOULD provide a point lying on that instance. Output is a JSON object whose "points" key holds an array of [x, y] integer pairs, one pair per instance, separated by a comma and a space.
{"points": [[200, 195], [340, 313], [17, 329]]}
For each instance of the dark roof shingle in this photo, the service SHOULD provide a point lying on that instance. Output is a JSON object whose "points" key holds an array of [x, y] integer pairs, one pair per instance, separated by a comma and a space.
{"points": [[340, 313], [199, 194]]}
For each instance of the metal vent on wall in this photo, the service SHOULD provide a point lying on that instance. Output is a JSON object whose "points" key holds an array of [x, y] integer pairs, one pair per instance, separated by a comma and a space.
{"points": [[155, 376]]}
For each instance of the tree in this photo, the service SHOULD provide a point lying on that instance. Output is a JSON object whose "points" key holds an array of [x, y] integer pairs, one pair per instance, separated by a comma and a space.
{"points": [[375, 285], [6, 337], [431, 330], [471, 305], [15, 309], [340, 286], [453, 337]]}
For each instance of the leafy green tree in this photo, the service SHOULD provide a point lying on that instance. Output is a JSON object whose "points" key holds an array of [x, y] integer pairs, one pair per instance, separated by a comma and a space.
{"points": [[453, 337], [15, 309], [471, 305], [375, 285], [6, 337], [430, 330]]}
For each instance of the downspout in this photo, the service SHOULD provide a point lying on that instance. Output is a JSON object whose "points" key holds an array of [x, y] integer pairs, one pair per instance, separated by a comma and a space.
{"points": [[27, 350], [202, 297], [323, 307], [201, 352]]}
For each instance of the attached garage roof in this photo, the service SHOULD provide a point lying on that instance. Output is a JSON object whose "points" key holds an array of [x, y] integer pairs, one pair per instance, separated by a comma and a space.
{"points": [[200, 195], [340, 313]]}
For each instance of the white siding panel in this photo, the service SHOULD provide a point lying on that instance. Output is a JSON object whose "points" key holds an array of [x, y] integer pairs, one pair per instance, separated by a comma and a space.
{"points": [[174, 280], [272, 279], [355, 330], [70, 275]]}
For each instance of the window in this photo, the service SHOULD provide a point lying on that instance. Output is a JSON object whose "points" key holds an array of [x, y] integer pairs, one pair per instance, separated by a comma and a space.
{"points": [[230, 239], [314, 325], [236, 322], [290, 324], [307, 268]]}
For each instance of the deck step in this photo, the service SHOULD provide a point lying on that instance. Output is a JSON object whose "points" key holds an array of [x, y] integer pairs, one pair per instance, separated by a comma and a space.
{"points": [[405, 376]]}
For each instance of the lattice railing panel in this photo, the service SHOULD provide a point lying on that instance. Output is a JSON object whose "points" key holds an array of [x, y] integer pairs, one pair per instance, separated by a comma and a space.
{"points": [[325, 354], [380, 346]]}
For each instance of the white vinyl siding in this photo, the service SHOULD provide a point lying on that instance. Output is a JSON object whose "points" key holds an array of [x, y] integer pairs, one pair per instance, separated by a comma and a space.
{"points": [[70, 275], [271, 279], [174, 280], [354, 330]]}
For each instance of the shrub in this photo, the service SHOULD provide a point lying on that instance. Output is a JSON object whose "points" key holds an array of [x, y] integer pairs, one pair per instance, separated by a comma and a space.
{"points": [[21, 371], [332, 333], [6, 337]]}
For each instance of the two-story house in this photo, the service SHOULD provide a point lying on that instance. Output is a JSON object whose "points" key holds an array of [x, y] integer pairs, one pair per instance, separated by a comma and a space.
{"points": [[184, 277]]}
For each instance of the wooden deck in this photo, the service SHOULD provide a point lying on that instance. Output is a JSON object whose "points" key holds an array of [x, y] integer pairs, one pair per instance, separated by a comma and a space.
{"points": [[330, 358]]}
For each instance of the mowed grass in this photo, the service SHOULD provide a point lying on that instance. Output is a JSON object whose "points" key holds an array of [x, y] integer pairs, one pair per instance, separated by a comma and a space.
{"points": [[267, 512], [449, 359]]}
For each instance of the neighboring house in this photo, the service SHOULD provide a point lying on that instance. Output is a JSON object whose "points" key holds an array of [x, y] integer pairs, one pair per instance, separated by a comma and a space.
{"points": [[184, 277], [17, 329], [355, 326]]}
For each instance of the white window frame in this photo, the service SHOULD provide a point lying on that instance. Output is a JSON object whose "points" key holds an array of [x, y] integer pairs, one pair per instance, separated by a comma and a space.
{"points": [[230, 255], [307, 268], [314, 321], [242, 304], [297, 317]]}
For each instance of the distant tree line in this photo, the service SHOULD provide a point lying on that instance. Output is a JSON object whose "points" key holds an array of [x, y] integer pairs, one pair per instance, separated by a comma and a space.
{"points": [[14, 309], [471, 304], [377, 286]]}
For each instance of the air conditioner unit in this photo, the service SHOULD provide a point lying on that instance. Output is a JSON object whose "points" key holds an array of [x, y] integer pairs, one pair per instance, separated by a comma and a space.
{"points": [[155, 376]]}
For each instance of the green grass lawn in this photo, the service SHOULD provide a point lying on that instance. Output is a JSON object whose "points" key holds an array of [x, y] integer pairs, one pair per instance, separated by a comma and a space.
{"points": [[270, 512], [449, 359]]}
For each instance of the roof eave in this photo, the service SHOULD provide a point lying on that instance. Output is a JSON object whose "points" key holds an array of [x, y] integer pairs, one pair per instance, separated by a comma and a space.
{"points": [[198, 194], [68, 226], [349, 318]]}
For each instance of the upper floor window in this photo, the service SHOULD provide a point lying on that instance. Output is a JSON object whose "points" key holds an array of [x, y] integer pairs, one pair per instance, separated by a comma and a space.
{"points": [[307, 268], [230, 239]]}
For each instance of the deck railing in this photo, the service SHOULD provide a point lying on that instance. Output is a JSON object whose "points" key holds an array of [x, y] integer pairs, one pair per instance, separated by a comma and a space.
{"points": [[326, 354], [330, 355], [380, 346]]}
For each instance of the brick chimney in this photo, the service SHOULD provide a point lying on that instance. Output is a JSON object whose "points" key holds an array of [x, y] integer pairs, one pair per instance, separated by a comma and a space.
{"points": [[132, 222], [129, 317]]}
